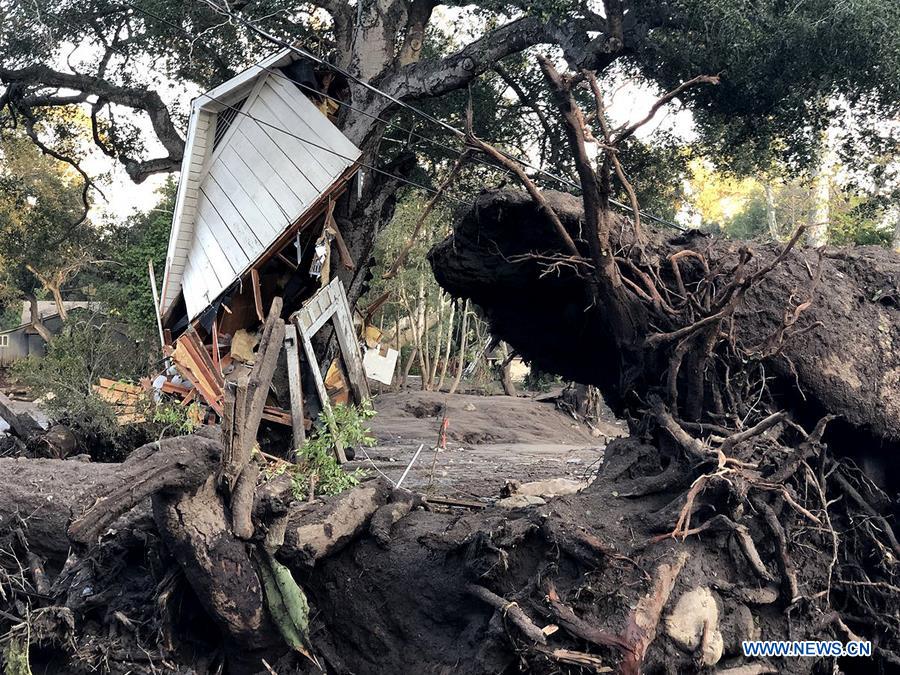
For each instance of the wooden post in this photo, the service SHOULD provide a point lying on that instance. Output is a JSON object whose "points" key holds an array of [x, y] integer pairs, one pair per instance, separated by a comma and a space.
{"points": [[243, 411], [295, 382], [162, 338]]}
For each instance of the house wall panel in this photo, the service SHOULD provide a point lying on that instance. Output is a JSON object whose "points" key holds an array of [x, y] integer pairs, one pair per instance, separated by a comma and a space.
{"points": [[275, 163]]}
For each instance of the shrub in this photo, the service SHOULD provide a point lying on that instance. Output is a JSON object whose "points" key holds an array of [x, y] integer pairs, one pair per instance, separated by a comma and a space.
{"points": [[316, 458], [89, 347]]}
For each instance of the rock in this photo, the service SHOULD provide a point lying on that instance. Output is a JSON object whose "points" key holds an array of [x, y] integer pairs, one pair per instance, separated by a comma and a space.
{"points": [[695, 612], [62, 440], [520, 502], [554, 487], [468, 407]]}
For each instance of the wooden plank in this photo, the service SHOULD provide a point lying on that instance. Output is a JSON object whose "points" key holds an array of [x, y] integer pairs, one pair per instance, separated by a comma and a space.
{"points": [[193, 287], [313, 366], [177, 389], [274, 414], [213, 244], [289, 107], [215, 345], [295, 385], [452, 501], [271, 114], [320, 390], [239, 239], [287, 261], [257, 204], [318, 123], [195, 364], [332, 226], [346, 335], [115, 385]]}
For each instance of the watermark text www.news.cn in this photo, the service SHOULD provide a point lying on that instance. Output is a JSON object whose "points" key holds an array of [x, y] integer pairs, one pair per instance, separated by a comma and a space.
{"points": [[815, 648]]}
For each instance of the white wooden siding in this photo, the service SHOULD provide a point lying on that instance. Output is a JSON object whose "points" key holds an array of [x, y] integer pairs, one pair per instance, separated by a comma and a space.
{"points": [[280, 154]]}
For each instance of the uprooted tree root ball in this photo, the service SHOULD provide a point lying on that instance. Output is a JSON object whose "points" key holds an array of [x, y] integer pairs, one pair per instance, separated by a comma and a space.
{"points": [[745, 519]]}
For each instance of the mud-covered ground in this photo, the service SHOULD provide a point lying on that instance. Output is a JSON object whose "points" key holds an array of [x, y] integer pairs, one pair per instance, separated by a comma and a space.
{"points": [[489, 440]]}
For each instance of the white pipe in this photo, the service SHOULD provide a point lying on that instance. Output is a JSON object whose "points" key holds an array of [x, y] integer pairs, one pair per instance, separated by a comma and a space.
{"points": [[411, 462]]}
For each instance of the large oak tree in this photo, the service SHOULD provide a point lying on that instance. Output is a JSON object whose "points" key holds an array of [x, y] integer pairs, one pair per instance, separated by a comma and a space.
{"points": [[780, 65]]}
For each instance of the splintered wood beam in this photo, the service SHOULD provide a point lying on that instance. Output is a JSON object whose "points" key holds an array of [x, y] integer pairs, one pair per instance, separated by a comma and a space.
{"points": [[287, 261], [347, 340], [194, 362], [263, 369], [233, 424], [295, 383], [216, 358], [320, 389], [332, 226], [257, 294], [245, 410]]}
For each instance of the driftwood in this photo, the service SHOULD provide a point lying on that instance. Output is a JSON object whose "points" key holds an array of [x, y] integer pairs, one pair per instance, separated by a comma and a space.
{"points": [[244, 407]]}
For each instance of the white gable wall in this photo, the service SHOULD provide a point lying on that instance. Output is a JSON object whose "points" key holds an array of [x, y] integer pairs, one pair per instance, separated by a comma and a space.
{"points": [[277, 158]]}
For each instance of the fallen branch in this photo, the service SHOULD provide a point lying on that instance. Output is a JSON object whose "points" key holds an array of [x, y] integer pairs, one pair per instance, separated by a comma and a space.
{"points": [[640, 630]]}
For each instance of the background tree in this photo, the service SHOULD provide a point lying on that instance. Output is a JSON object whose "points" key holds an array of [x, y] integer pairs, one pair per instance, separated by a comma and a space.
{"points": [[124, 285], [426, 54], [43, 243]]}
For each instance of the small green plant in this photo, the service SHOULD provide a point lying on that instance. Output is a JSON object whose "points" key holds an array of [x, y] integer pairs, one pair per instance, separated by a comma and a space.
{"points": [[316, 462], [15, 657], [174, 419]]}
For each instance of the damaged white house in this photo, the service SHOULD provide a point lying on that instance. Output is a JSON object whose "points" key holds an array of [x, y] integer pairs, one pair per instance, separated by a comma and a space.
{"points": [[261, 163], [255, 218]]}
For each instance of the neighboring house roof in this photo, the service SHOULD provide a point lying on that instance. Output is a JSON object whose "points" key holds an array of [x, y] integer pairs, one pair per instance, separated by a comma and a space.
{"points": [[246, 178], [47, 308]]}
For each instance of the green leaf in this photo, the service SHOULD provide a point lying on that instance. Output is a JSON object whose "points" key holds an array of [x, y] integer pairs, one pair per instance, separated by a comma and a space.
{"points": [[287, 605]]}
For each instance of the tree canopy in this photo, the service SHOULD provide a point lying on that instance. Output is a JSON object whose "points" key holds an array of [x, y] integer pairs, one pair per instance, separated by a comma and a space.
{"points": [[780, 63]]}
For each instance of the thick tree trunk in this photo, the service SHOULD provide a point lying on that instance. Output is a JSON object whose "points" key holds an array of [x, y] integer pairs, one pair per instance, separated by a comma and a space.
{"points": [[36, 322]]}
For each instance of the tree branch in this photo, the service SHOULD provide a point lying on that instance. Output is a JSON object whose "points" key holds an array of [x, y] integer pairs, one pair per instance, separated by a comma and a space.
{"points": [[439, 76], [137, 98], [661, 101]]}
